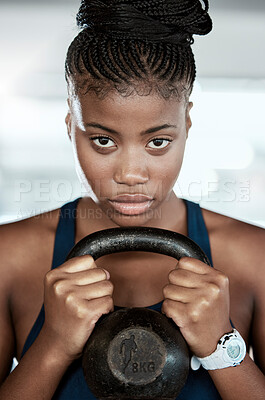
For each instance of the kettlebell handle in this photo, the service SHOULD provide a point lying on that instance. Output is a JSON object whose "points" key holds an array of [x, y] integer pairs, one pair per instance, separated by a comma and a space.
{"points": [[154, 240]]}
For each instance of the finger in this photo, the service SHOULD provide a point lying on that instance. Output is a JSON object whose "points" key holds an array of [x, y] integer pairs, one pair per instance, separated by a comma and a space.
{"points": [[193, 265], [177, 311], [98, 307], [61, 285], [88, 276], [185, 278], [92, 291], [181, 294], [77, 264]]}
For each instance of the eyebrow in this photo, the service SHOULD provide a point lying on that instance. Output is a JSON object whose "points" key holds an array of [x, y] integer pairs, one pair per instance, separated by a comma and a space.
{"points": [[150, 130]]}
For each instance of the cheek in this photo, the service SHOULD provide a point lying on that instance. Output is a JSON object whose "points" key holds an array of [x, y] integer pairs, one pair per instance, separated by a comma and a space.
{"points": [[94, 172], [94, 165], [166, 178], [98, 173], [168, 167]]}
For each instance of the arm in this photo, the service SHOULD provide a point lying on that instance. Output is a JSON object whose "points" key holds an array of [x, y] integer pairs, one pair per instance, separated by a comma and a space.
{"points": [[197, 299], [76, 294], [38, 374], [247, 381], [29, 379]]}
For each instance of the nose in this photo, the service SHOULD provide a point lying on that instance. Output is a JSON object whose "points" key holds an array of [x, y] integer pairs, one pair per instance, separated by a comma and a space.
{"points": [[131, 170]]}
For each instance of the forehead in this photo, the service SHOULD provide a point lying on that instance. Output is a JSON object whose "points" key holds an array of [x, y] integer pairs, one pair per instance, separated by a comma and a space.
{"points": [[115, 108]]}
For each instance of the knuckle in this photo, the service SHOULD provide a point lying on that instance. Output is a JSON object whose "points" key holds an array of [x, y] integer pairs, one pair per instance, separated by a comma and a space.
{"points": [[48, 278], [172, 276], [203, 302], [80, 312], [109, 286], [86, 260], [87, 257], [70, 298], [93, 320], [108, 303], [222, 279], [106, 287], [166, 305], [184, 261], [166, 290], [109, 300], [75, 306], [169, 310], [214, 291], [58, 287], [100, 273], [194, 315], [89, 260]]}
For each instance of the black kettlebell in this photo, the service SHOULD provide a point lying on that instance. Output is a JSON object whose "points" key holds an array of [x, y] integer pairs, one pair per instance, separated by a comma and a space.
{"points": [[136, 353]]}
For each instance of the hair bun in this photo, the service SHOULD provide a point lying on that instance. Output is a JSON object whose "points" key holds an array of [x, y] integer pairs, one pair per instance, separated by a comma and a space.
{"points": [[154, 20]]}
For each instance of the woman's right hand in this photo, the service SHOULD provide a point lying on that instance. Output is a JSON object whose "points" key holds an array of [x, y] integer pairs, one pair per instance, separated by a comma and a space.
{"points": [[76, 295]]}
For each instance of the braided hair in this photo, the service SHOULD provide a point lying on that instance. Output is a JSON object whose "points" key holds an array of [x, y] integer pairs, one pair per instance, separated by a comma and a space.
{"points": [[136, 47]]}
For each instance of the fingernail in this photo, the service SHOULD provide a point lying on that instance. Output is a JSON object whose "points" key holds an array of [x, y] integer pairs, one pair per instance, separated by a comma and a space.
{"points": [[107, 273]]}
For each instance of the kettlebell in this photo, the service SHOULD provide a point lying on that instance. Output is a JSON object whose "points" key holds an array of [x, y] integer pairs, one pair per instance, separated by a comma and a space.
{"points": [[136, 353]]}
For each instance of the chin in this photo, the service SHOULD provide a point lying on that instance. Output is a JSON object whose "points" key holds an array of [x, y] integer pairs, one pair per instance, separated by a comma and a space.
{"points": [[124, 220]]}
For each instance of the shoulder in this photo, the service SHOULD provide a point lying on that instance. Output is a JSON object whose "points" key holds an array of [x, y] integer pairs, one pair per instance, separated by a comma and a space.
{"points": [[26, 243], [25, 252], [237, 243], [221, 223]]}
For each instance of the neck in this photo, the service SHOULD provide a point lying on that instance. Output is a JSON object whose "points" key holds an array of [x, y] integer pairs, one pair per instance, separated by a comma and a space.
{"points": [[138, 277]]}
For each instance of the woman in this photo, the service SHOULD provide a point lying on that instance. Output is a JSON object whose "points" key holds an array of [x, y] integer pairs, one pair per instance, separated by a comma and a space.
{"points": [[130, 72]]}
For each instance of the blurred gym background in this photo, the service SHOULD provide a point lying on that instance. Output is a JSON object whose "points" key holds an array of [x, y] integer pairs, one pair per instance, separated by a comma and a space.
{"points": [[224, 167]]}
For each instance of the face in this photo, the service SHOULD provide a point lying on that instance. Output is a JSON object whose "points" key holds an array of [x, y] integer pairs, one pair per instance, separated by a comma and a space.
{"points": [[128, 153]]}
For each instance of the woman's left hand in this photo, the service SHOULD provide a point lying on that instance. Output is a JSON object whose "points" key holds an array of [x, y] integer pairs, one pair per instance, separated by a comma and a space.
{"points": [[197, 299]]}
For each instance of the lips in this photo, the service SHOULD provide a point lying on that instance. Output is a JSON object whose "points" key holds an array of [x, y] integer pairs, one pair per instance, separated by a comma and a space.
{"points": [[131, 198], [131, 204]]}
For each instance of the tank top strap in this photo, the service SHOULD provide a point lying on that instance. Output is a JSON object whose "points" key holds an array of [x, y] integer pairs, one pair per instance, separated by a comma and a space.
{"points": [[65, 233], [197, 230]]}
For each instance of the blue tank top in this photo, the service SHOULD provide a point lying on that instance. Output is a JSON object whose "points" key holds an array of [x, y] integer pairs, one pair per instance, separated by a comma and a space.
{"points": [[199, 385]]}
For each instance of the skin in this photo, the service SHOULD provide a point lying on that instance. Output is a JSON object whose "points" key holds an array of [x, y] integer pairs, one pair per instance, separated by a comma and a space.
{"points": [[198, 298], [157, 168]]}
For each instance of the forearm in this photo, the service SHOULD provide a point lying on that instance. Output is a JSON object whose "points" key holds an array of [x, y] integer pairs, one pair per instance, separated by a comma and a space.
{"points": [[37, 375], [245, 381]]}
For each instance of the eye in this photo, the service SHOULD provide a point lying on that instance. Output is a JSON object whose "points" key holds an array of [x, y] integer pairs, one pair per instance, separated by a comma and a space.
{"points": [[102, 141], [159, 143]]}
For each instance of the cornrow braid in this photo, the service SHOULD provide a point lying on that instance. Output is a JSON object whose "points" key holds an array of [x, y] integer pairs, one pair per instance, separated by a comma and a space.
{"points": [[127, 57], [115, 51], [126, 46], [114, 73], [165, 61], [136, 54], [158, 55]]}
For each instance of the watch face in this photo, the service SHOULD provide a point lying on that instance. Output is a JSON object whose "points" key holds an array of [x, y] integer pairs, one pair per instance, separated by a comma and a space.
{"points": [[234, 349]]}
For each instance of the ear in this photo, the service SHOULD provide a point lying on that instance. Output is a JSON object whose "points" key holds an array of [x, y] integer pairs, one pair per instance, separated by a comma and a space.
{"points": [[68, 121], [188, 118]]}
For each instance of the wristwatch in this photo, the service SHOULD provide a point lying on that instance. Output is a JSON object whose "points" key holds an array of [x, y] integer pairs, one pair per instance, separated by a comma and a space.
{"points": [[230, 352]]}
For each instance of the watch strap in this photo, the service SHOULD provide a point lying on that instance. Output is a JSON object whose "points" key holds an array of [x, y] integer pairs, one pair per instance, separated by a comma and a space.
{"points": [[224, 356]]}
